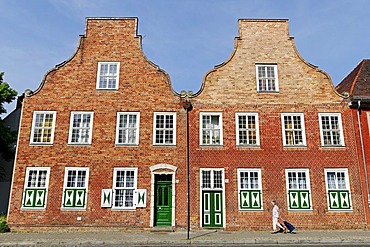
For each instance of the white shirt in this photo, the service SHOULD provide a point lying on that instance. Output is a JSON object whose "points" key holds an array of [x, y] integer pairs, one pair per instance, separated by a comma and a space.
{"points": [[275, 211]]}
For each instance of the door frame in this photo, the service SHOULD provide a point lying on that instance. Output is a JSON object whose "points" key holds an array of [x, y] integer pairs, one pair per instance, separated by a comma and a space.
{"points": [[215, 190], [168, 170]]}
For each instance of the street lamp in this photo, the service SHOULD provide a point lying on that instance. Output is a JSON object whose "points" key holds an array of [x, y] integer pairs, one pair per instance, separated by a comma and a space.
{"points": [[186, 103]]}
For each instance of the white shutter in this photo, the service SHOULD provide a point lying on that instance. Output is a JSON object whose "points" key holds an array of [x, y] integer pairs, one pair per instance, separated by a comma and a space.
{"points": [[106, 198], [140, 198]]}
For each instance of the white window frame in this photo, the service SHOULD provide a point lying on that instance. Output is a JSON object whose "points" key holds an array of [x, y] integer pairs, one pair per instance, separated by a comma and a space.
{"points": [[293, 129], [164, 129], [89, 129], [133, 188], [65, 185], [249, 187], [43, 128], [128, 128], [211, 129], [276, 81], [307, 184], [100, 64], [256, 129], [341, 137], [347, 184], [36, 186]]}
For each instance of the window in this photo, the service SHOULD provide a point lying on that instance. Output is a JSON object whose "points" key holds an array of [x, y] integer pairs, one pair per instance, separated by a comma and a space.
{"points": [[164, 132], [331, 129], [127, 128], [250, 189], [35, 188], [247, 130], [108, 75], [211, 128], [293, 129], [43, 125], [338, 190], [298, 189], [124, 185], [212, 178], [75, 187], [267, 78], [81, 128]]}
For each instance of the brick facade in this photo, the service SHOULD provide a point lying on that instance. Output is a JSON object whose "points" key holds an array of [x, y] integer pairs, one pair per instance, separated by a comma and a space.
{"points": [[228, 89]]}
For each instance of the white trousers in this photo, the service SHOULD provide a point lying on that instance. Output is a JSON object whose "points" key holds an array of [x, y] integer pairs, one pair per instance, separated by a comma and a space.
{"points": [[275, 223]]}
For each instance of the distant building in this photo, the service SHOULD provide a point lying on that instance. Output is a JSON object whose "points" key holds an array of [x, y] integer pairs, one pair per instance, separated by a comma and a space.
{"points": [[105, 141], [11, 121], [357, 86]]}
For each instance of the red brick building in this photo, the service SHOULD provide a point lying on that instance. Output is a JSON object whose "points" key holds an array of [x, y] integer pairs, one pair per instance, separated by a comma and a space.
{"points": [[100, 137], [267, 125], [357, 86], [106, 142]]}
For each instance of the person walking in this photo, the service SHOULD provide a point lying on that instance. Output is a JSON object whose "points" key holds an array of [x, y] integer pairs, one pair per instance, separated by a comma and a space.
{"points": [[275, 219]]}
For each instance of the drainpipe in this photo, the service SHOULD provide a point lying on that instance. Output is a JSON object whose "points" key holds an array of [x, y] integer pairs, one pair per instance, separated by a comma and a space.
{"points": [[363, 152]]}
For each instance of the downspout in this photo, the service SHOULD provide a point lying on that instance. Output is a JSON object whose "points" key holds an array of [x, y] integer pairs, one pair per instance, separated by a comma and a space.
{"points": [[363, 152]]}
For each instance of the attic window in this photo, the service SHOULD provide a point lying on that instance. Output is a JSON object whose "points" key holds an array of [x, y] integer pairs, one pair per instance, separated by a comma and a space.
{"points": [[267, 78], [108, 75]]}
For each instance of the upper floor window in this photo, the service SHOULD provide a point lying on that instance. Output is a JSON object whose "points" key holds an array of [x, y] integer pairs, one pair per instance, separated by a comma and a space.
{"points": [[127, 128], [267, 78], [247, 130], [35, 187], [80, 131], [293, 129], [43, 125], [108, 75], [211, 128], [164, 131], [331, 129]]}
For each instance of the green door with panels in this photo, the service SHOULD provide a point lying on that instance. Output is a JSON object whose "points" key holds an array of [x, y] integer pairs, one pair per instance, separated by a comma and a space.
{"points": [[212, 209], [163, 201]]}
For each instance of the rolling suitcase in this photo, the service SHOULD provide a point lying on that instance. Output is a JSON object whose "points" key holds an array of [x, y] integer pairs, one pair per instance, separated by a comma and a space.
{"points": [[289, 226]]}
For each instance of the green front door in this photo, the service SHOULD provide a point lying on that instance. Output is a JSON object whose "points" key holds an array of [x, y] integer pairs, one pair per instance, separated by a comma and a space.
{"points": [[163, 201], [212, 209]]}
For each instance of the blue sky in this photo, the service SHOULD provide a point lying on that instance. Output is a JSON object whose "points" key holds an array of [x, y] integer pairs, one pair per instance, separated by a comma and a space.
{"points": [[186, 38]]}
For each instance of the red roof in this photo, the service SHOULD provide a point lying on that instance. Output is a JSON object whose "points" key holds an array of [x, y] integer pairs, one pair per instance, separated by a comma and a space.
{"points": [[357, 83]]}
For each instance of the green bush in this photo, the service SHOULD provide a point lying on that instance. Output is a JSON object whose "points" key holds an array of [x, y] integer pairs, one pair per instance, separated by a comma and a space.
{"points": [[3, 225]]}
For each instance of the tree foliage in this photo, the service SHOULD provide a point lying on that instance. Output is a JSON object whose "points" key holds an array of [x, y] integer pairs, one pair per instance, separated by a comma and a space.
{"points": [[7, 136]]}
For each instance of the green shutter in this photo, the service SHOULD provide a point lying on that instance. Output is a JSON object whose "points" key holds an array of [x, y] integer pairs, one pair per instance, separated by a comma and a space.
{"points": [[34, 198], [74, 198], [339, 200], [250, 199], [299, 199]]}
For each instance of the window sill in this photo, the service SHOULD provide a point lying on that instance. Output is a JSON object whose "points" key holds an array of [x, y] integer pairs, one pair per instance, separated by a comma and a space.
{"points": [[79, 144], [295, 147], [107, 89], [164, 145], [41, 144], [251, 210], [332, 147], [73, 209], [258, 91], [244, 146], [211, 146], [123, 209], [32, 209], [126, 145]]}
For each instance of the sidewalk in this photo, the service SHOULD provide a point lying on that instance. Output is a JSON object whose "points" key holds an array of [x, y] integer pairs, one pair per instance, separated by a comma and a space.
{"points": [[197, 238]]}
